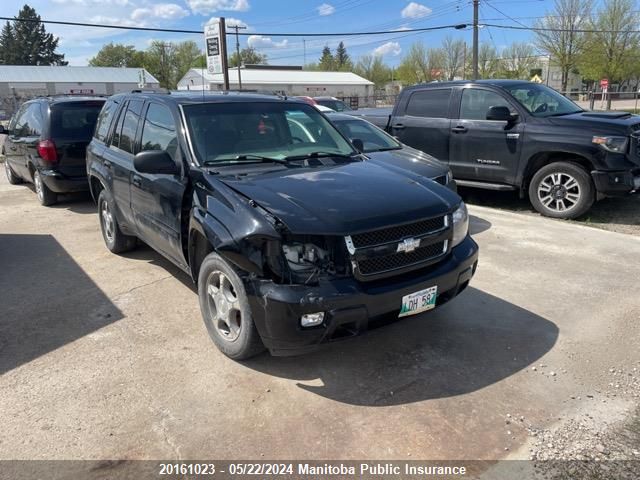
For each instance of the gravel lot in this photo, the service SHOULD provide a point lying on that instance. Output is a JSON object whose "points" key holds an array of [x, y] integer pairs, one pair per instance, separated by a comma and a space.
{"points": [[106, 357]]}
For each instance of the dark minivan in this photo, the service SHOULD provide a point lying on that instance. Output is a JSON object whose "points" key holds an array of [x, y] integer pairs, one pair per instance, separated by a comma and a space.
{"points": [[46, 144]]}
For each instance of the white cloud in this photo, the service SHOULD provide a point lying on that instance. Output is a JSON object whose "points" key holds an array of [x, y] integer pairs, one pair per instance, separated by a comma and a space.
{"points": [[325, 9], [167, 11], [121, 3], [258, 41], [415, 10], [229, 21], [402, 27], [125, 22], [205, 7], [389, 48]]}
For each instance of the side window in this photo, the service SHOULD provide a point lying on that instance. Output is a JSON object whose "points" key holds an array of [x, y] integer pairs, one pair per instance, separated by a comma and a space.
{"points": [[475, 103], [432, 103], [159, 130], [104, 120], [115, 138], [130, 126], [18, 121], [29, 123]]}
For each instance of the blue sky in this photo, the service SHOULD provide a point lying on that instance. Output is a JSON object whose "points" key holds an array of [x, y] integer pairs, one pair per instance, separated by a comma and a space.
{"points": [[282, 16]]}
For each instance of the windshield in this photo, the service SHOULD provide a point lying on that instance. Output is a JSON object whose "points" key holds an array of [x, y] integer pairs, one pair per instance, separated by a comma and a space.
{"points": [[337, 105], [226, 132], [373, 139], [542, 101]]}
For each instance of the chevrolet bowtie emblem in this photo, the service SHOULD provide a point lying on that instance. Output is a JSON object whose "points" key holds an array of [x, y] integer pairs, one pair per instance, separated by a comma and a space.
{"points": [[408, 245]]}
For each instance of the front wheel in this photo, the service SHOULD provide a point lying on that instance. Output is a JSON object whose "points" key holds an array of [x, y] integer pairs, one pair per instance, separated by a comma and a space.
{"points": [[45, 196], [562, 190], [225, 309]]}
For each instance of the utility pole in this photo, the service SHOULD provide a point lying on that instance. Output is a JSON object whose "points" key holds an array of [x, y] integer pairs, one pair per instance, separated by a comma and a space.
{"points": [[304, 50], [238, 27], [475, 39], [223, 51]]}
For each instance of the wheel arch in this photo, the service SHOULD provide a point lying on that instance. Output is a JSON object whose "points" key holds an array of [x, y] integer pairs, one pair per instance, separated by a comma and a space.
{"points": [[541, 159]]}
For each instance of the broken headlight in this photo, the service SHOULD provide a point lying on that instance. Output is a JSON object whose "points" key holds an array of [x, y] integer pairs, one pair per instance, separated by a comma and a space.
{"points": [[306, 261]]}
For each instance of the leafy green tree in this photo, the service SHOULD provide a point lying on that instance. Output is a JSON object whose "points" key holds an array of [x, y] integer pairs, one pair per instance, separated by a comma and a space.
{"points": [[373, 68], [612, 50], [421, 64], [488, 63], [159, 60], [560, 36], [326, 62], [118, 55], [186, 55], [518, 60], [26, 42], [249, 56]]}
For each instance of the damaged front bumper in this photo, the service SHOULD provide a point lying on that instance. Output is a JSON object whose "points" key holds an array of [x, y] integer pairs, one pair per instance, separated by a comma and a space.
{"points": [[350, 307]]}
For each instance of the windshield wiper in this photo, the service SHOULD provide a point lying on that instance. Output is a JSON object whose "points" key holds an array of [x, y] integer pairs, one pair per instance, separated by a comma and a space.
{"points": [[244, 157], [319, 155]]}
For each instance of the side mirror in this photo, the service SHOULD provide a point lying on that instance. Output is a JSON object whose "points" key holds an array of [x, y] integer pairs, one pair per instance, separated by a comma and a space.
{"points": [[502, 114], [155, 161], [358, 144]]}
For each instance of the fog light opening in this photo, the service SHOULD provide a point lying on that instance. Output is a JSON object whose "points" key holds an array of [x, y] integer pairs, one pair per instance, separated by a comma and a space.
{"points": [[311, 319]]}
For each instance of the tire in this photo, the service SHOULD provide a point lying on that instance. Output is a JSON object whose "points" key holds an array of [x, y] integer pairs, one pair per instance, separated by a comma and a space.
{"points": [[114, 239], [45, 196], [225, 309], [12, 177], [562, 190]]}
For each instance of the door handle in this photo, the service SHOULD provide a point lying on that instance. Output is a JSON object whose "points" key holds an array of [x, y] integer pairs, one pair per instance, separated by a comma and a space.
{"points": [[12, 148], [459, 129], [399, 126], [136, 181], [107, 164]]}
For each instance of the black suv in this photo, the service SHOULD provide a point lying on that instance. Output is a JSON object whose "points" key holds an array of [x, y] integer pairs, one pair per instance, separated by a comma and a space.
{"points": [[46, 144], [293, 237], [517, 135]]}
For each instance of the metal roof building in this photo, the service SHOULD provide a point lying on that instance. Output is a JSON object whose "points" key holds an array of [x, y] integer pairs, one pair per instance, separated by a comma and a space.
{"points": [[22, 82], [283, 80]]}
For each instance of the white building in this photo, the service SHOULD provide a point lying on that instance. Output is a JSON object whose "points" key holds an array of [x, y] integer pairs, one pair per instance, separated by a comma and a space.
{"points": [[21, 82], [282, 80]]}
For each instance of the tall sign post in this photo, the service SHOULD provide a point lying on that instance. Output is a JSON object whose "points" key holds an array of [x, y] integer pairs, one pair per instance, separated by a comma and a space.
{"points": [[216, 49]]}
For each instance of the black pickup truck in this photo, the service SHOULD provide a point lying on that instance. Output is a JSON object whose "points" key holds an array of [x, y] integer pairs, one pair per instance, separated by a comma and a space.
{"points": [[293, 237], [516, 135]]}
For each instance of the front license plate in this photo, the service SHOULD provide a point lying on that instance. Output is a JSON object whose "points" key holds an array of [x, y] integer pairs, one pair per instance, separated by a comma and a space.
{"points": [[419, 301]]}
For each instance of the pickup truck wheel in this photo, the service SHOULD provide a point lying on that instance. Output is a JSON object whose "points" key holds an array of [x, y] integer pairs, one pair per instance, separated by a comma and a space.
{"points": [[13, 179], [45, 196], [116, 241], [225, 309], [562, 190]]}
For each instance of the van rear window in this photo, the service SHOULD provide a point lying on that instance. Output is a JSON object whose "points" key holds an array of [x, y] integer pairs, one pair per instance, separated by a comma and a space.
{"points": [[74, 121]]}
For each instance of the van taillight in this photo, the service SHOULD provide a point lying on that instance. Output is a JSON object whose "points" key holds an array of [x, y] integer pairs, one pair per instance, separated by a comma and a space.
{"points": [[47, 151]]}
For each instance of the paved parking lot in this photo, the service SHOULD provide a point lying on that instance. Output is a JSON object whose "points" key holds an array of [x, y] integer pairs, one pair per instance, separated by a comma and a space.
{"points": [[107, 357]]}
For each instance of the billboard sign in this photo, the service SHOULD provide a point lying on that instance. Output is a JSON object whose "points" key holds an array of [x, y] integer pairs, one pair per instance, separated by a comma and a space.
{"points": [[212, 47]]}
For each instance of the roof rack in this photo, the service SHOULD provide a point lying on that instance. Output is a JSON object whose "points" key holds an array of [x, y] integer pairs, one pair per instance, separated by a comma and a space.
{"points": [[55, 95], [151, 90]]}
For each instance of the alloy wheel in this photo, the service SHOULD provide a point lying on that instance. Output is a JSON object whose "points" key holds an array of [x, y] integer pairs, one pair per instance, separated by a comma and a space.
{"points": [[108, 222], [224, 306], [559, 192], [37, 182]]}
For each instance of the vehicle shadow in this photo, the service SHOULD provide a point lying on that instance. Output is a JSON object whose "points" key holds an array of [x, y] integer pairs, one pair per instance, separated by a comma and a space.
{"points": [[478, 225], [468, 344], [80, 202], [46, 299]]}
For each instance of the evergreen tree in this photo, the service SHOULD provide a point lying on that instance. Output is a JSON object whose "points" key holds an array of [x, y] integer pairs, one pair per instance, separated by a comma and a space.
{"points": [[342, 60], [7, 52], [327, 62], [26, 42]]}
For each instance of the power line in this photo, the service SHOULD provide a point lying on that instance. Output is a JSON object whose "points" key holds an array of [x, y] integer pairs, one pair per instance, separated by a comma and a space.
{"points": [[543, 29], [199, 32]]}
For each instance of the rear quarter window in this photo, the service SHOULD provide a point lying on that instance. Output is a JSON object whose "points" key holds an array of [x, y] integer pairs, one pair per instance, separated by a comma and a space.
{"points": [[432, 103], [74, 121]]}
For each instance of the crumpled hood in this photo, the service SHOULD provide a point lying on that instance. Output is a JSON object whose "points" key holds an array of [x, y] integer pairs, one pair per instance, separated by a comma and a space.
{"points": [[410, 159], [344, 199]]}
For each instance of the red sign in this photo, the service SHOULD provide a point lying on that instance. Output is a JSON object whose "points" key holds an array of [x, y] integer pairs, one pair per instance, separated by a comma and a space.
{"points": [[604, 83]]}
